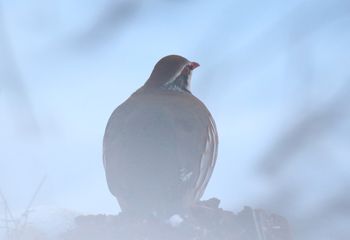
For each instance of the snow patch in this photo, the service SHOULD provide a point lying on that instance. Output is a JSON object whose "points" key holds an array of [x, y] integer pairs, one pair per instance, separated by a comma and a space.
{"points": [[175, 220]]}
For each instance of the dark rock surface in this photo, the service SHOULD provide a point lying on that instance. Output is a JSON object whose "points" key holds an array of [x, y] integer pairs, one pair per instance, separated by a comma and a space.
{"points": [[204, 222]]}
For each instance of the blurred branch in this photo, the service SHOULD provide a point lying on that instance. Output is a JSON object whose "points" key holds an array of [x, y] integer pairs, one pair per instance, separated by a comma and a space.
{"points": [[112, 19], [12, 81], [336, 207], [301, 22], [308, 129]]}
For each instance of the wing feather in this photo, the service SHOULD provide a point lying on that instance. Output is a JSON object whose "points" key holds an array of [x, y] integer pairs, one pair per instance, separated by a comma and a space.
{"points": [[208, 159]]}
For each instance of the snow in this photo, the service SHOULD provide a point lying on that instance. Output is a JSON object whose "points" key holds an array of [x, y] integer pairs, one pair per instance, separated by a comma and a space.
{"points": [[175, 220]]}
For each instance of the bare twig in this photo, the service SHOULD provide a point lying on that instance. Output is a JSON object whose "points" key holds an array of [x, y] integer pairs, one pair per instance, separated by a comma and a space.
{"points": [[26, 213], [16, 227], [8, 214]]}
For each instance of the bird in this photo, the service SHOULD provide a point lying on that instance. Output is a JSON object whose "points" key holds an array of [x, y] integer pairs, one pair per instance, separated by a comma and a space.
{"points": [[160, 146]]}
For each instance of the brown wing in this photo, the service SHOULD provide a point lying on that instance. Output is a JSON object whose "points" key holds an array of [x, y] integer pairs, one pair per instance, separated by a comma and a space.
{"points": [[208, 159]]}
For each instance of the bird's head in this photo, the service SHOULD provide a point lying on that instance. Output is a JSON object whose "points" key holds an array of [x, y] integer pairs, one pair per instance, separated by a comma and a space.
{"points": [[172, 72]]}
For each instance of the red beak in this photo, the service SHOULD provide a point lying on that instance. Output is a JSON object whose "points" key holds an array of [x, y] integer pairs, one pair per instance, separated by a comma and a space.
{"points": [[193, 65]]}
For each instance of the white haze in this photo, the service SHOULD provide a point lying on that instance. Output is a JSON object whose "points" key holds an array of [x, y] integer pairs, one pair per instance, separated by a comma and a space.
{"points": [[275, 76]]}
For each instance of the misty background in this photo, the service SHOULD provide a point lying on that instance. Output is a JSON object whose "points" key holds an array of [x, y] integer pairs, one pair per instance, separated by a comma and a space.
{"points": [[274, 74]]}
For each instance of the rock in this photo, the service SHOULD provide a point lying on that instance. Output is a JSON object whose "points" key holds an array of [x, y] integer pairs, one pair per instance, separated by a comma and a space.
{"points": [[204, 222]]}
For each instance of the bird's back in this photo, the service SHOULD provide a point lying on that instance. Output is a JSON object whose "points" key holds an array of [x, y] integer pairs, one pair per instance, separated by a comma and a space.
{"points": [[154, 150]]}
